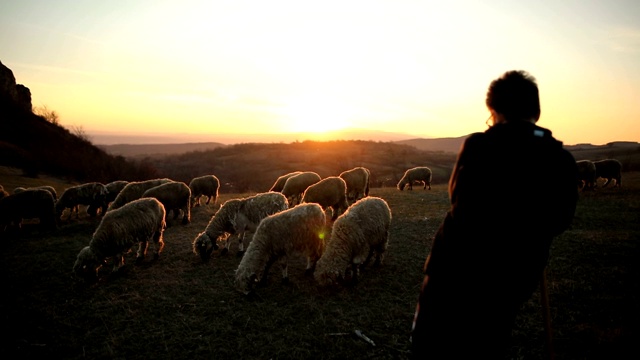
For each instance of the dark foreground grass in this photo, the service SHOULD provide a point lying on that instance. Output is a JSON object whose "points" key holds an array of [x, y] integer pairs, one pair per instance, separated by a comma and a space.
{"points": [[180, 308]]}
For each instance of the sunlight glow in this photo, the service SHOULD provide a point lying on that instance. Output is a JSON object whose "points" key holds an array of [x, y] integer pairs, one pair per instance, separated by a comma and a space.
{"points": [[316, 114]]}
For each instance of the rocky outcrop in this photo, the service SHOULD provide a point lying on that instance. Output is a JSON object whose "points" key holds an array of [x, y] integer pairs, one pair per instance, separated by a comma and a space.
{"points": [[16, 93]]}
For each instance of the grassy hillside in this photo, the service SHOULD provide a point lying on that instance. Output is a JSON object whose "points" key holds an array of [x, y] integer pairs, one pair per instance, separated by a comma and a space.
{"points": [[180, 308], [39, 147], [254, 167]]}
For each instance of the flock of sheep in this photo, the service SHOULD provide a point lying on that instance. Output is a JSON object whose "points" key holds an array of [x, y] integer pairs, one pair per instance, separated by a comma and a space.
{"points": [[290, 219], [589, 171]]}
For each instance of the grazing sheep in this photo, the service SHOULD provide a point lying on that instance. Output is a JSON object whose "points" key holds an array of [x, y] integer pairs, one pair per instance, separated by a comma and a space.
{"points": [[609, 169], [207, 185], [279, 184], [50, 189], [134, 190], [236, 216], [136, 222], [358, 234], [300, 230], [28, 204], [586, 174], [357, 180], [92, 194], [420, 173], [174, 196], [113, 189], [295, 186], [328, 192]]}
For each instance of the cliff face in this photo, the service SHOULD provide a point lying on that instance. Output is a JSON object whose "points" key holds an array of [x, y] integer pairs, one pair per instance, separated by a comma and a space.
{"points": [[16, 93]]}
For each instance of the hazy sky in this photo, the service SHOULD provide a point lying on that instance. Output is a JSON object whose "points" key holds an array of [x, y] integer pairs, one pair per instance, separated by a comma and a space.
{"points": [[418, 67]]}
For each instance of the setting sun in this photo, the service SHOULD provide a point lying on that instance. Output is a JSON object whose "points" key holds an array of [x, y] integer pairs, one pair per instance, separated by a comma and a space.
{"points": [[316, 114]]}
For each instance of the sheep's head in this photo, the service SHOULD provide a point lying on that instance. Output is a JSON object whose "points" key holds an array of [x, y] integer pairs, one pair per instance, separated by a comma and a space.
{"points": [[87, 265], [327, 272], [204, 246], [328, 277], [401, 185], [59, 208], [245, 282]]}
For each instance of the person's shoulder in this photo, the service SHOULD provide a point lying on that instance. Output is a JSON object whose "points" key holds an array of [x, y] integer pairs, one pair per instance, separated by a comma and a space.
{"points": [[475, 139], [558, 147]]}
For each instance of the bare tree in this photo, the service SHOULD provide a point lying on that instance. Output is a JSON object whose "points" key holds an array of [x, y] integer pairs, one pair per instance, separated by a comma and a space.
{"points": [[49, 115]]}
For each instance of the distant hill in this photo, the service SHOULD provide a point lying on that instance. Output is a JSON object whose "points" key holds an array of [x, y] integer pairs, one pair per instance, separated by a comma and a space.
{"points": [[450, 144], [142, 150]]}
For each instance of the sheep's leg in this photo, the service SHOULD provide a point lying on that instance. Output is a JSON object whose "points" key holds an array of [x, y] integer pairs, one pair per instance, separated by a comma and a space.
{"points": [[240, 252], [186, 218], [354, 274], [335, 212], [158, 244], [311, 265], [227, 242], [285, 270], [142, 250], [368, 259], [118, 262], [265, 272], [208, 200]]}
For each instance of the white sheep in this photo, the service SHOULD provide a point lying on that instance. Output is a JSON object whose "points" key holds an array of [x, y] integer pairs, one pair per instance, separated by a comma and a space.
{"points": [[328, 192], [175, 196], [279, 184], [92, 194], [237, 216], [49, 188], [295, 186], [298, 230], [207, 185], [28, 204], [136, 222], [357, 180], [420, 174], [357, 235], [134, 190]]}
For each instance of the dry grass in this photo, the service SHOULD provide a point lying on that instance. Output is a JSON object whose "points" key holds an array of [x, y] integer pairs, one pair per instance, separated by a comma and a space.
{"points": [[179, 308]]}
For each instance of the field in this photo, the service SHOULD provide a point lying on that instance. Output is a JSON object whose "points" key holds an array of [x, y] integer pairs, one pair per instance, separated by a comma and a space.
{"points": [[179, 308]]}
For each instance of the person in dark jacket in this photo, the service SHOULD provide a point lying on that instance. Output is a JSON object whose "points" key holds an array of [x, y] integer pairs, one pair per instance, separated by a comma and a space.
{"points": [[512, 190]]}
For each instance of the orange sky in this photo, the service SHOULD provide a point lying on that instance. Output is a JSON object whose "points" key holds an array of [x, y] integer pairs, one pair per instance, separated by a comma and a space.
{"points": [[236, 67]]}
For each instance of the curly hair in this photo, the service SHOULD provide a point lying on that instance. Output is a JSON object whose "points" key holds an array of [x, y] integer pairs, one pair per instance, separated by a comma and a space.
{"points": [[514, 95]]}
